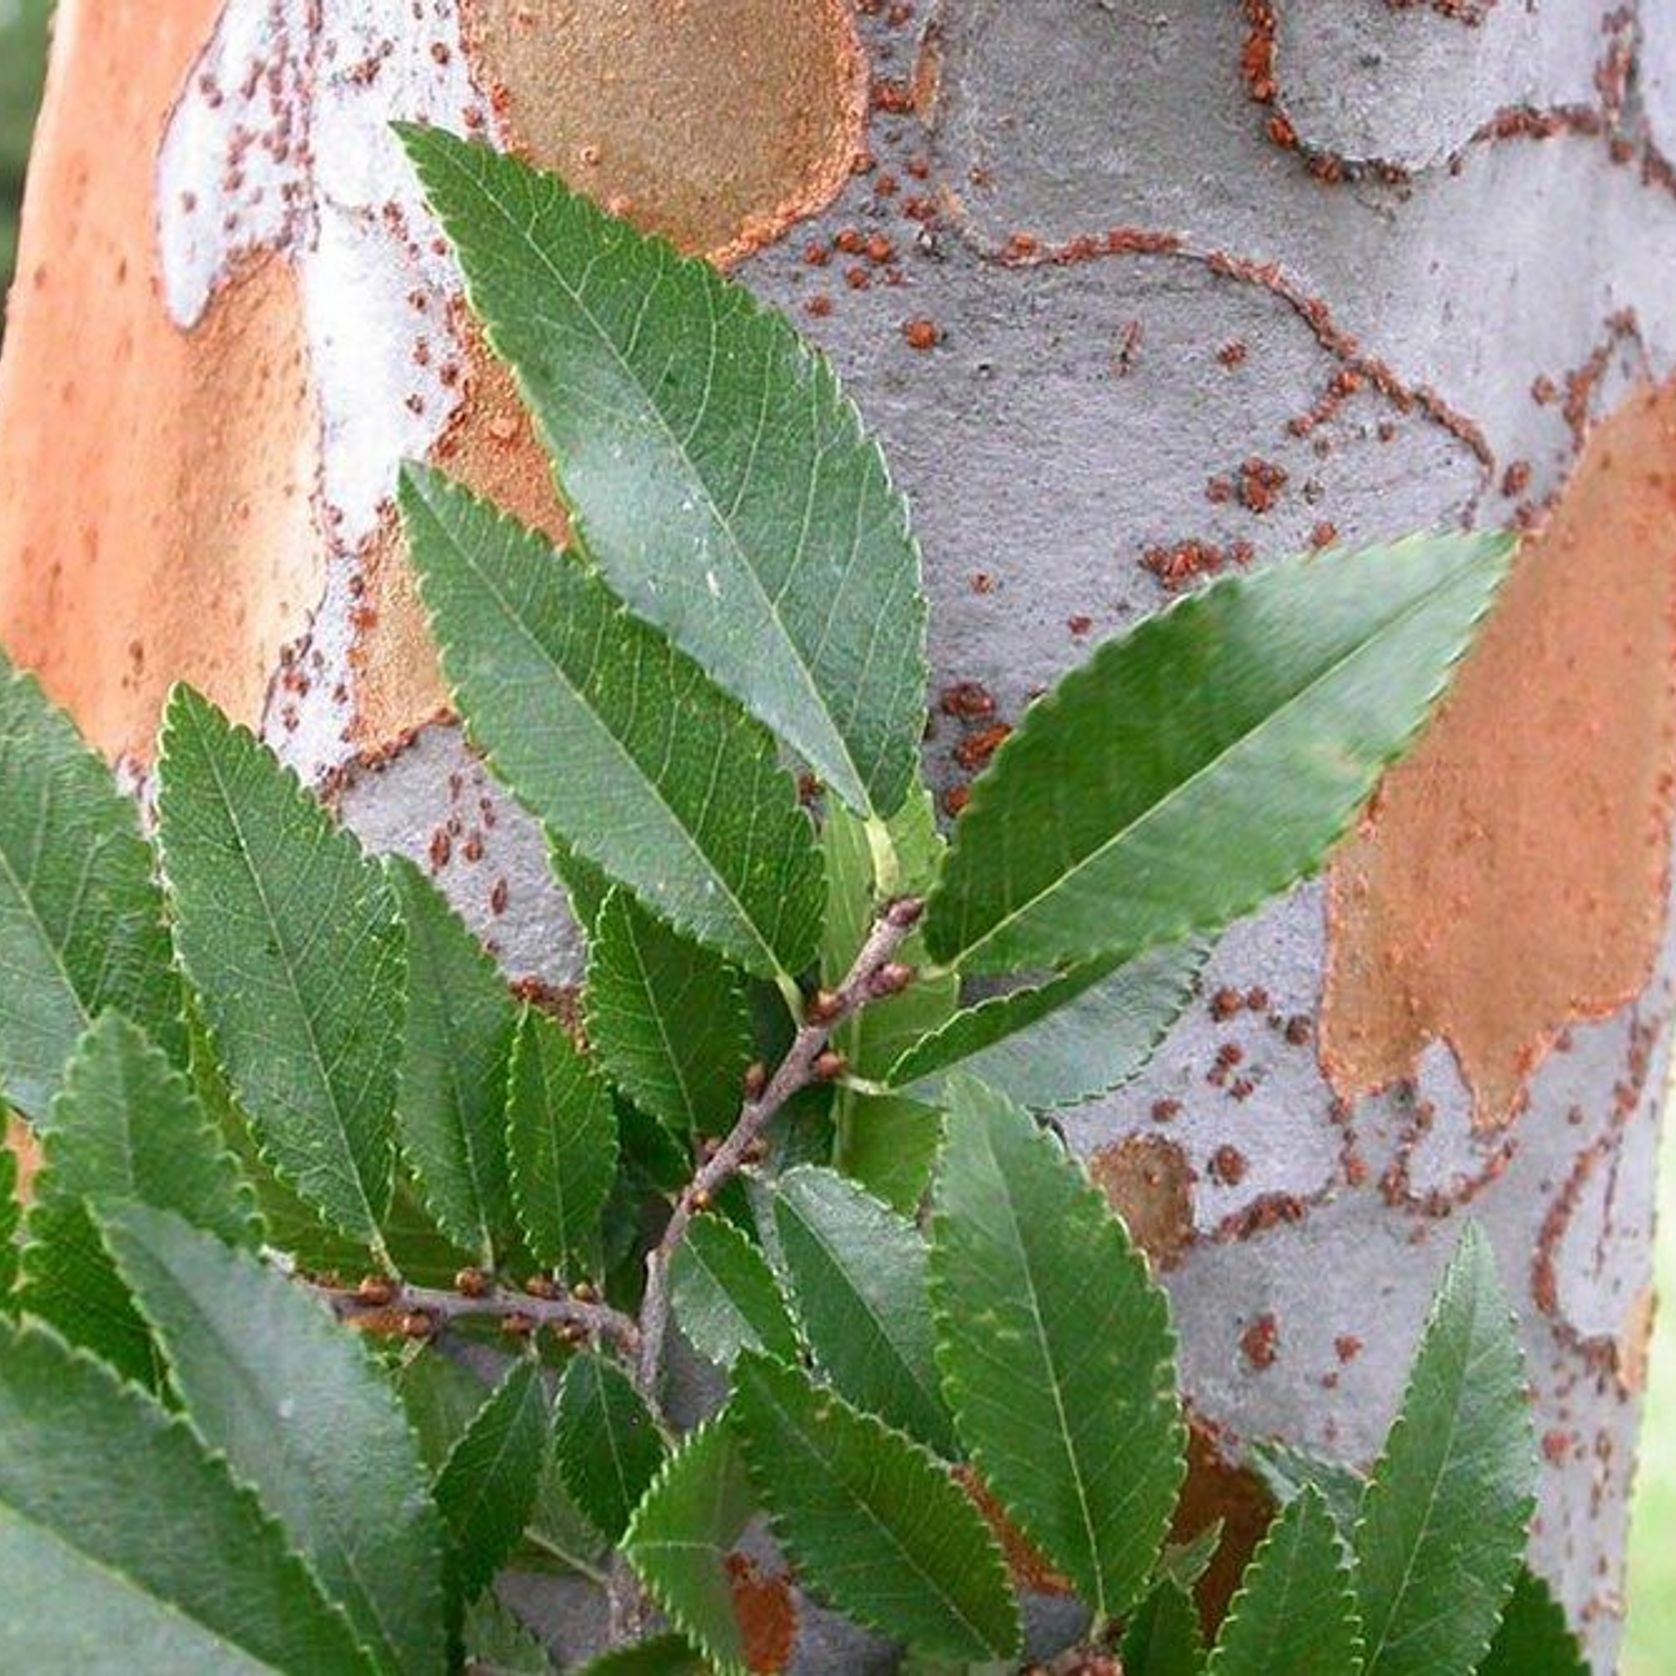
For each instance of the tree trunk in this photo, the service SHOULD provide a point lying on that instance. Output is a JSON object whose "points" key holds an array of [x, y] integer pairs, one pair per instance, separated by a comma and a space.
{"points": [[1135, 295]]}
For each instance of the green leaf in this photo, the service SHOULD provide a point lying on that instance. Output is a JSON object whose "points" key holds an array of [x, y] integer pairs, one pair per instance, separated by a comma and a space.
{"points": [[667, 1018], [887, 1143], [486, 1489], [1163, 1639], [563, 1139], [725, 1296], [612, 737], [663, 1655], [451, 1108], [560, 1532], [1207, 759], [858, 1280], [1448, 1504], [585, 885], [682, 1534], [293, 942], [81, 919], [872, 1520], [126, 1547], [1184, 1563], [440, 1397], [712, 466], [11, 1220], [1062, 1041], [606, 1443], [1296, 1607], [125, 1124], [1534, 1638], [304, 1417], [496, 1644], [1055, 1349]]}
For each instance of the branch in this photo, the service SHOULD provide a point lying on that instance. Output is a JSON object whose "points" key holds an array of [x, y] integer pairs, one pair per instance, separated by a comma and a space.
{"points": [[873, 976], [391, 1306]]}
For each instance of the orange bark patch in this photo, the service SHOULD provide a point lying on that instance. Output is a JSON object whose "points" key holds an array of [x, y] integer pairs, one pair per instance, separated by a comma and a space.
{"points": [[156, 486], [1215, 1490], [717, 122], [767, 1615], [492, 448], [1150, 1185], [1509, 877]]}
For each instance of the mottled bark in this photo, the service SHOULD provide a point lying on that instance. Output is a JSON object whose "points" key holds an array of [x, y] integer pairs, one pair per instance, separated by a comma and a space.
{"points": [[1134, 294]]}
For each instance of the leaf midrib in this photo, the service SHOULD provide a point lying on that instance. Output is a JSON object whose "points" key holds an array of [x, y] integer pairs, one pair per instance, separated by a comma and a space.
{"points": [[1155, 809], [712, 509]]}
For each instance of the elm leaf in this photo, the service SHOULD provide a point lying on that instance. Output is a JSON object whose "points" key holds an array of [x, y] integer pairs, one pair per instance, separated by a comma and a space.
{"points": [[606, 1444], [1533, 1638], [1448, 1504], [667, 1018], [1055, 1348], [562, 1134], [81, 917], [725, 1296], [450, 1107], [294, 944], [613, 738], [713, 469], [304, 1416], [92, 1473], [872, 1521], [1208, 758]]}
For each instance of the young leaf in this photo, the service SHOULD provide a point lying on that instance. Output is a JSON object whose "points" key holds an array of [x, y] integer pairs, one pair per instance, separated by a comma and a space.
{"points": [[885, 1142], [81, 919], [612, 737], [667, 1018], [858, 1277], [681, 1536], [1534, 1638], [563, 1139], [268, 1379], [125, 1545], [1163, 1638], [1062, 1041], [1055, 1348], [1447, 1507], [1296, 1607], [1209, 758], [496, 1644], [725, 1296], [125, 1124], [872, 1521], [451, 1109], [293, 942], [712, 466], [605, 1441], [486, 1488]]}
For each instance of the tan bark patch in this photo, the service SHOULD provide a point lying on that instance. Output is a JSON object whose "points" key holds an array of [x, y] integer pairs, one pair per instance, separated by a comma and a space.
{"points": [[767, 1615], [156, 518], [492, 448], [1216, 1490], [1509, 877], [717, 122], [1149, 1183]]}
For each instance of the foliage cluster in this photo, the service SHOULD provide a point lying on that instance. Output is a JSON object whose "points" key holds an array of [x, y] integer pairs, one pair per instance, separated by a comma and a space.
{"points": [[347, 1278]]}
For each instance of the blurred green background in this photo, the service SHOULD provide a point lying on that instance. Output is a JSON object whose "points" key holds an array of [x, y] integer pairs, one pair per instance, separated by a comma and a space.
{"points": [[1652, 1590]]}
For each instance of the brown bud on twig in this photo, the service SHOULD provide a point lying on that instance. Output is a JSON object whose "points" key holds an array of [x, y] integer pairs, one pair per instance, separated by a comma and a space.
{"points": [[584, 1292], [417, 1324], [471, 1283], [540, 1286], [517, 1324], [905, 911], [756, 1080], [701, 1199], [377, 1290], [830, 1066], [573, 1332], [756, 1151], [891, 979], [823, 1007]]}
